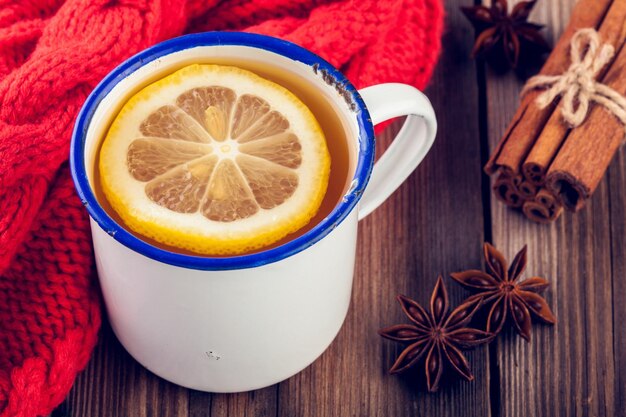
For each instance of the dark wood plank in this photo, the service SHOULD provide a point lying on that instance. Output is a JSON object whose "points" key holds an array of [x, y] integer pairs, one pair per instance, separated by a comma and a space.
{"points": [[260, 403], [115, 385], [569, 369], [431, 225], [617, 181], [199, 404]]}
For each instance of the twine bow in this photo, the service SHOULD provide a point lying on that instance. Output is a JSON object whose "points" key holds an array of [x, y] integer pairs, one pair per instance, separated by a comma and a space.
{"points": [[577, 85]]}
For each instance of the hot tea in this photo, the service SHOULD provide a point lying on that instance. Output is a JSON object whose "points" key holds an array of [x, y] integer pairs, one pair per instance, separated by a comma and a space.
{"points": [[331, 125]]}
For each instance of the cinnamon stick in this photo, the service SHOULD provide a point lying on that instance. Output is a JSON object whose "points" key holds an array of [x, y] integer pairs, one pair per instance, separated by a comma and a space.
{"points": [[527, 189], [612, 31], [544, 208], [529, 120], [545, 148], [586, 154], [505, 188]]}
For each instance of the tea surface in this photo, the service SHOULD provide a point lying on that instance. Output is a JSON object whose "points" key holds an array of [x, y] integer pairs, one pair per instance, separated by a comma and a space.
{"points": [[336, 142]]}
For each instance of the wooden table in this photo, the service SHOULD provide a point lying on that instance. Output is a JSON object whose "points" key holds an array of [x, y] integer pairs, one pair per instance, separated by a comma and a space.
{"points": [[436, 223]]}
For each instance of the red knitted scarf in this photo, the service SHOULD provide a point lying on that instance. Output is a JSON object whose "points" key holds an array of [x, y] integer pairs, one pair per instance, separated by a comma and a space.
{"points": [[52, 54]]}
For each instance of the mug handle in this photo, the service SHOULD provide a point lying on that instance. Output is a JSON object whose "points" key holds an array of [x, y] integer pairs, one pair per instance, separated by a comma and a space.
{"points": [[409, 147]]}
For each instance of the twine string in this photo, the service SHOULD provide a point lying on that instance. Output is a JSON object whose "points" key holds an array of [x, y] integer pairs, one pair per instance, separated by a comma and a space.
{"points": [[577, 85]]}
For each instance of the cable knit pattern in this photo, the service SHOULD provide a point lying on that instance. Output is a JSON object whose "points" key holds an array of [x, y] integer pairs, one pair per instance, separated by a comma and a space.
{"points": [[52, 54]]}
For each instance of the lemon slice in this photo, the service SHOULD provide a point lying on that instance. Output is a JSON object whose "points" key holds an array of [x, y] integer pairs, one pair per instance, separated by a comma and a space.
{"points": [[215, 160]]}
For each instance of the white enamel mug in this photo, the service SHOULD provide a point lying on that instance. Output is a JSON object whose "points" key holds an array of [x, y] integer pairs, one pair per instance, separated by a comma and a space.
{"points": [[244, 322]]}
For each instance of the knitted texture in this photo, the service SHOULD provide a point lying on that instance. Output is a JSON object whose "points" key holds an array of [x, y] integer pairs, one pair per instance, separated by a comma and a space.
{"points": [[52, 54]]}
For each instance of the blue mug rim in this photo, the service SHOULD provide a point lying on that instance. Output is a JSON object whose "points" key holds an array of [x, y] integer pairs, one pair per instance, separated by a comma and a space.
{"points": [[365, 161]]}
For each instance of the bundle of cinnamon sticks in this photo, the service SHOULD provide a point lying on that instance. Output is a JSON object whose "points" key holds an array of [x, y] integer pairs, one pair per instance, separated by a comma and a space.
{"points": [[542, 163]]}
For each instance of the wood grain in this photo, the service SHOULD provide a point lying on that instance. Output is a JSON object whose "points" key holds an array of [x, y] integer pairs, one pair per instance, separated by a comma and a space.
{"points": [[569, 369], [416, 235], [617, 185], [434, 224]]}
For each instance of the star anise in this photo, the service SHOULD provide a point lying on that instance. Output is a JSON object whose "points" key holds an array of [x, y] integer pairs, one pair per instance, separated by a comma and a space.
{"points": [[509, 300], [506, 40], [439, 335]]}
